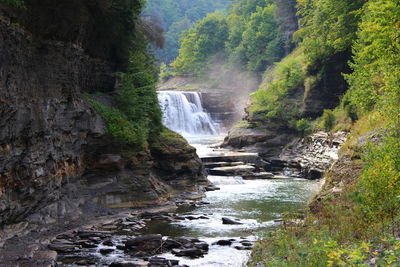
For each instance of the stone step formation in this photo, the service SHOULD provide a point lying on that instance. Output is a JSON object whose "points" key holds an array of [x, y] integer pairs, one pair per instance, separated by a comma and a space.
{"points": [[251, 167]]}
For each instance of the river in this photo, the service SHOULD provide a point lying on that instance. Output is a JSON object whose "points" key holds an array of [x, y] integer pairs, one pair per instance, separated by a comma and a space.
{"points": [[254, 206], [257, 203]]}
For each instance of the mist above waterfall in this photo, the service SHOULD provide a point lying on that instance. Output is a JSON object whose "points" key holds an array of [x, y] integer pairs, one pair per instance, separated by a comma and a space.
{"points": [[183, 112], [239, 83]]}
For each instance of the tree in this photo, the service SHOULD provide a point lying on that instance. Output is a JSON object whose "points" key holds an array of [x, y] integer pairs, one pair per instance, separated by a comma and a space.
{"points": [[176, 17], [206, 39], [261, 40], [327, 27], [375, 81]]}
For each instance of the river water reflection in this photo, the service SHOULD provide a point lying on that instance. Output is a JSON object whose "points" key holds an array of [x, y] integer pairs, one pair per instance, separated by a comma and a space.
{"points": [[257, 203]]}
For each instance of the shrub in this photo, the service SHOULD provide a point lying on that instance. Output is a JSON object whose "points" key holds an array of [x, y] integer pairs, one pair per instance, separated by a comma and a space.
{"points": [[271, 98], [379, 189], [328, 120], [136, 115], [119, 126], [165, 72], [304, 126]]}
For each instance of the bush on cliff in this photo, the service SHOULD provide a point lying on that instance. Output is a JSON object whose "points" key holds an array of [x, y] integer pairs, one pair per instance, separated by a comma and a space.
{"points": [[271, 101], [379, 187], [136, 116], [304, 127], [328, 120]]}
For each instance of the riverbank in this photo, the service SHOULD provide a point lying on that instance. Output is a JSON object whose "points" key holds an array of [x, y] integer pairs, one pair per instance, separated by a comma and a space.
{"points": [[168, 176], [254, 206], [337, 228]]}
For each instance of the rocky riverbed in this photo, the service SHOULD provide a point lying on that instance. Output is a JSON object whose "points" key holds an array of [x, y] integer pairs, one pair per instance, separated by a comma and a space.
{"points": [[215, 228]]}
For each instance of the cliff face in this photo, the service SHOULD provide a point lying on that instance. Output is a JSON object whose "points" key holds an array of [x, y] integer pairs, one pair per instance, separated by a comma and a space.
{"points": [[268, 136], [55, 158]]}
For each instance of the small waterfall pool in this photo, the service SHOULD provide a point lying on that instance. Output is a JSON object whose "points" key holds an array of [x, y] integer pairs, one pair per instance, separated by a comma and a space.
{"points": [[183, 113]]}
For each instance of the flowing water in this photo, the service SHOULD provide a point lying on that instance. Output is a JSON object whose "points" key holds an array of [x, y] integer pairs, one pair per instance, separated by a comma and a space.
{"points": [[256, 203], [183, 112]]}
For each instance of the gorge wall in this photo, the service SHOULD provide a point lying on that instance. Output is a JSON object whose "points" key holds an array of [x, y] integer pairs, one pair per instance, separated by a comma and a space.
{"points": [[56, 160], [268, 135]]}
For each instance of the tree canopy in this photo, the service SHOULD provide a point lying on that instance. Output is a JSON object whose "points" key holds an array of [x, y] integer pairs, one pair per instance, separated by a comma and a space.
{"points": [[177, 16], [249, 38]]}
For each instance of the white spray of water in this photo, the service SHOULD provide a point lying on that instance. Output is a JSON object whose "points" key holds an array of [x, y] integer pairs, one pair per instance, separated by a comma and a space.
{"points": [[183, 112]]}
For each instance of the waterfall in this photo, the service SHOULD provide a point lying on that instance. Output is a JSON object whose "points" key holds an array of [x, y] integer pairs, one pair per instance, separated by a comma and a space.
{"points": [[183, 112]]}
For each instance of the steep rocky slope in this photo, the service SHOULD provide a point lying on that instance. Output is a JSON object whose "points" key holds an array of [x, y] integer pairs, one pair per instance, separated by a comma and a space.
{"points": [[314, 92], [56, 161]]}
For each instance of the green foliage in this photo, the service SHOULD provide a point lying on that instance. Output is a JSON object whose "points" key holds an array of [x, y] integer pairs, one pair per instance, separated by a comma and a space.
{"points": [[316, 247], [270, 102], [248, 39], [177, 16], [206, 39], [165, 72], [349, 107], [304, 126], [357, 225], [119, 126], [379, 188], [327, 27], [116, 32], [257, 43], [168, 139], [328, 120], [17, 3], [135, 116], [375, 81]]}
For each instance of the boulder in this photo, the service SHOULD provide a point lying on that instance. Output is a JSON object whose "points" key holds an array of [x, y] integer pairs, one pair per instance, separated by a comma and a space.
{"points": [[158, 261], [90, 234], [239, 170], [202, 245], [226, 220], [144, 243], [258, 175], [242, 248], [223, 243], [171, 243], [106, 251], [211, 188], [86, 244], [108, 243], [189, 252]]}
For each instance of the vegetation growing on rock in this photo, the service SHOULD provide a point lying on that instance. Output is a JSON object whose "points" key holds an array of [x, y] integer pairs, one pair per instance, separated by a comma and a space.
{"points": [[354, 221]]}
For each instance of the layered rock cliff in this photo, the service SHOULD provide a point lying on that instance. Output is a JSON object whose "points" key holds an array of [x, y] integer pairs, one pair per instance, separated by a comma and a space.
{"points": [[56, 160]]}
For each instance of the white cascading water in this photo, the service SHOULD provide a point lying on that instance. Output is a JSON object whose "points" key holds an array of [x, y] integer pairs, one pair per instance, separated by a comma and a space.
{"points": [[183, 113]]}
